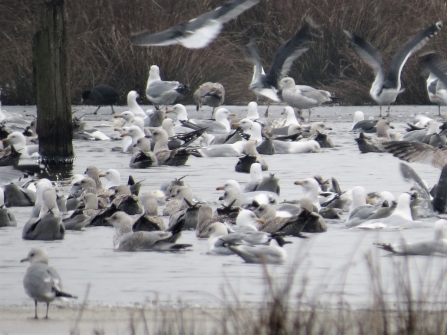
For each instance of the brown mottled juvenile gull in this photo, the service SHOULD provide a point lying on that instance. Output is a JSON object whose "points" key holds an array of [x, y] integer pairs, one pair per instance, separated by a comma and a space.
{"points": [[209, 94], [176, 157], [375, 144], [417, 152], [41, 282]]}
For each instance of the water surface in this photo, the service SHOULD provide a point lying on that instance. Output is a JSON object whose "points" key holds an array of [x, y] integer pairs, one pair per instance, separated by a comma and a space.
{"points": [[334, 263]]}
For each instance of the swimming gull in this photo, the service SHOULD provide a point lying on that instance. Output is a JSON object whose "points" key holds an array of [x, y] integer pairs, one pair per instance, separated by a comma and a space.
{"points": [[133, 105], [209, 94], [161, 92], [375, 144], [296, 147], [425, 248], [48, 225], [7, 218], [255, 177], [197, 33], [101, 95], [311, 190], [127, 240], [274, 253], [143, 158], [400, 218], [113, 178], [384, 90], [130, 119], [18, 141], [221, 125], [41, 282], [149, 221], [176, 157], [360, 124], [220, 237]]}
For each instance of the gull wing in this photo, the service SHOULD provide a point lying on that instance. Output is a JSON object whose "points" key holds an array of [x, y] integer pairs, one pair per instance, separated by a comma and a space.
{"points": [[414, 44], [417, 152], [369, 54], [198, 32], [437, 67], [289, 52]]}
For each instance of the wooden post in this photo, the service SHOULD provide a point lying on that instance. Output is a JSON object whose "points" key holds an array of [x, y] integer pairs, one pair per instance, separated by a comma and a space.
{"points": [[52, 86]]}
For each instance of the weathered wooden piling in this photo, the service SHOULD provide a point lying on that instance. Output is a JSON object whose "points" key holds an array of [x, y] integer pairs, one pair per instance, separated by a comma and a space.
{"points": [[52, 86]]}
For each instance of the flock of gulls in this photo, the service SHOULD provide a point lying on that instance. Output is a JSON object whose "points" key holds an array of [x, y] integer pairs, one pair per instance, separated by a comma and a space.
{"points": [[250, 223]]}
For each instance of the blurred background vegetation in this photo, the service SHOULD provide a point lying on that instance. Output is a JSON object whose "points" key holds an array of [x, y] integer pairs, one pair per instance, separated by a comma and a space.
{"points": [[101, 52]]}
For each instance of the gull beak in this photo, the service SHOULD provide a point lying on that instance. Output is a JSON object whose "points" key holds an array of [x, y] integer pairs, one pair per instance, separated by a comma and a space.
{"points": [[24, 260], [232, 114], [298, 182], [261, 221], [219, 188], [101, 175], [117, 116], [5, 140], [124, 134], [169, 111]]}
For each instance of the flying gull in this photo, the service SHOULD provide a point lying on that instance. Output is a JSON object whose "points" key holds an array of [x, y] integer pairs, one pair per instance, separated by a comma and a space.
{"points": [[197, 33]]}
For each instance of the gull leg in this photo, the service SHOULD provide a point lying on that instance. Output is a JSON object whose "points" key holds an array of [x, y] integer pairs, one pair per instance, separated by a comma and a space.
{"points": [[48, 305], [212, 113], [380, 111], [266, 114], [389, 110], [35, 309], [96, 111], [310, 112], [113, 111], [439, 110]]}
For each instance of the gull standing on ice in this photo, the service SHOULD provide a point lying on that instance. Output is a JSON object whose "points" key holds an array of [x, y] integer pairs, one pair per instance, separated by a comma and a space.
{"points": [[161, 92], [266, 85], [302, 96], [437, 79], [41, 282], [384, 90], [210, 94], [197, 33]]}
